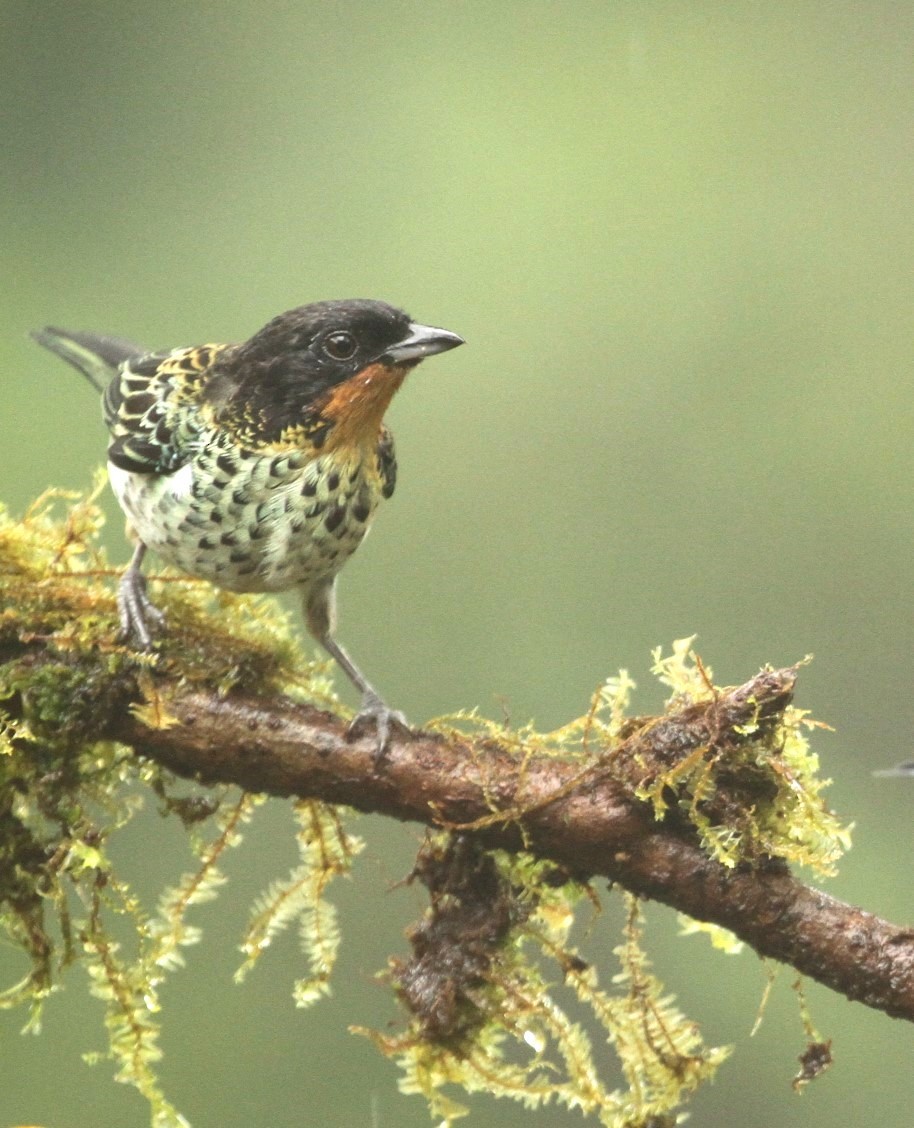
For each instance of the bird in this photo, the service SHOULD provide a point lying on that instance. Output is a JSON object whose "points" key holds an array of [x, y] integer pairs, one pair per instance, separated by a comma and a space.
{"points": [[257, 466]]}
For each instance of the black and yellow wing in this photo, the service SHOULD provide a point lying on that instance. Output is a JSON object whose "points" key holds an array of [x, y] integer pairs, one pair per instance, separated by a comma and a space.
{"points": [[152, 409], [150, 401]]}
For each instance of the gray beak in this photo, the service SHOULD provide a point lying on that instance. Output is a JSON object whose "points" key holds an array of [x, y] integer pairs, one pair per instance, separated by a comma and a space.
{"points": [[423, 340]]}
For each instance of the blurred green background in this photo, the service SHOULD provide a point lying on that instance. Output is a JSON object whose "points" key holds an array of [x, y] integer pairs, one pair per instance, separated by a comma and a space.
{"points": [[678, 240]]}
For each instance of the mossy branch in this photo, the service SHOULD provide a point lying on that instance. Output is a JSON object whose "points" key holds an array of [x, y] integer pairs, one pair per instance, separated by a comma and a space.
{"points": [[703, 808], [581, 817]]}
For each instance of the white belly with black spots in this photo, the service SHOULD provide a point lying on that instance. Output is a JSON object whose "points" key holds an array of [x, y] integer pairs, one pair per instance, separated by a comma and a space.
{"points": [[252, 522]]}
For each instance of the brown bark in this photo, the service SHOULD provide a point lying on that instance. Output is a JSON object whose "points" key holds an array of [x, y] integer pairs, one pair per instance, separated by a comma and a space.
{"points": [[588, 823]]}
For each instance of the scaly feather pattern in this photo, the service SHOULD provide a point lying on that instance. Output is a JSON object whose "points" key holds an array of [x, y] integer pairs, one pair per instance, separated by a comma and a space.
{"points": [[152, 409]]}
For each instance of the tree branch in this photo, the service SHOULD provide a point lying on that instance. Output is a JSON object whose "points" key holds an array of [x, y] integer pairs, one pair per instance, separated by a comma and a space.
{"points": [[581, 817]]}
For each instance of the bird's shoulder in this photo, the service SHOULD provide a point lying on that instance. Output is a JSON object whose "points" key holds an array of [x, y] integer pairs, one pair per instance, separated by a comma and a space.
{"points": [[386, 453], [154, 408]]}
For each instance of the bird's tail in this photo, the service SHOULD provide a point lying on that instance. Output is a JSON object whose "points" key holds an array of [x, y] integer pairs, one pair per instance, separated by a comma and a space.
{"points": [[97, 358]]}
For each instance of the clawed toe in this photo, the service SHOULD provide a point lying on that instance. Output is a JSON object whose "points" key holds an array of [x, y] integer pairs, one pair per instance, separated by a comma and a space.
{"points": [[375, 713], [139, 616]]}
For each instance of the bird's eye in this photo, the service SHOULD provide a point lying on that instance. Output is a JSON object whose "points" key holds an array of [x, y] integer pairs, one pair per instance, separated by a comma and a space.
{"points": [[340, 346]]}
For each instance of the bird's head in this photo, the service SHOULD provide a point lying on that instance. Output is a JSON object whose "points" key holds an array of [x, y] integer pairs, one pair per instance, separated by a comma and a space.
{"points": [[342, 360]]}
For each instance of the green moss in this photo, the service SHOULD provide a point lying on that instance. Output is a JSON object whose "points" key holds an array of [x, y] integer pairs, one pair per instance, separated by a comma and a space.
{"points": [[57, 587], [739, 769], [493, 978], [65, 794], [751, 787], [491, 985]]}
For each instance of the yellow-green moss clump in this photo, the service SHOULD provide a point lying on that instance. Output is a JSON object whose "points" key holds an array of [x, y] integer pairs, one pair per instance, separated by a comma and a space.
{"points": [[490, 985], [734, 763], [751, 787], [57, 587]]}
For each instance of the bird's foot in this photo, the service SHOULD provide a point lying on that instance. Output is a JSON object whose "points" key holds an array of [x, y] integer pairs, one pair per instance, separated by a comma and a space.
{"points": [[140, 617], [384, 719]]}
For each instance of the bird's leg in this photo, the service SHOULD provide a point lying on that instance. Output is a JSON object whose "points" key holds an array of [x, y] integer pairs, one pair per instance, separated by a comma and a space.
{"points": [[320, 614], [139, 615], [373, 709]]}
